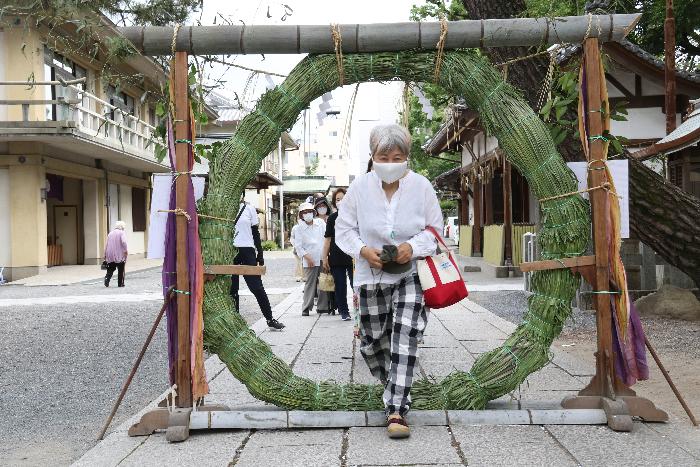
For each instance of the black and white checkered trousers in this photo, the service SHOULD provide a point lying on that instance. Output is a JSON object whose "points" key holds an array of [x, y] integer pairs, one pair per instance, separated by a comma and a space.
{"points": [[392, 321]]}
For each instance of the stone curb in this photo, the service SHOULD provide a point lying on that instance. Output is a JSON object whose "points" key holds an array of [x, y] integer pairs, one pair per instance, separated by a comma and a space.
{"points": [[280, 419]]}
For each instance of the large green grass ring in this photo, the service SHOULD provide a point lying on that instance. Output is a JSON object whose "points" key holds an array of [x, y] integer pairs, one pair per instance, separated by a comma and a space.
{"points": [[528, 146]]}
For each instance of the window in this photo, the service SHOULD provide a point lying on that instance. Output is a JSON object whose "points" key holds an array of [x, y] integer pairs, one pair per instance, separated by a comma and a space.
{"points": [[333, 133], [57, 66], [675, 175], [138, 209], [123, 102]]}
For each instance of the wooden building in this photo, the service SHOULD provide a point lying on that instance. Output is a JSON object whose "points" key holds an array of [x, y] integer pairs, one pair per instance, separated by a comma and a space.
{"points": [[496, 206]]}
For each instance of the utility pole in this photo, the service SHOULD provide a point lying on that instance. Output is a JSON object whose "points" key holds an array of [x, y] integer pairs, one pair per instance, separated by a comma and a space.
{"points": [[281, 191], [670, 68]]}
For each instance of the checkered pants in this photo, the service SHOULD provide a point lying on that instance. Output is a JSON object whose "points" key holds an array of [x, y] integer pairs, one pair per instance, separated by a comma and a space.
{"points": [[392, 321]]}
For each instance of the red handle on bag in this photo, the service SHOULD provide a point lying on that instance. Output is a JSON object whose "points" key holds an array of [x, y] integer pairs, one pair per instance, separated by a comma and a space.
{"points": [[432, 230]]}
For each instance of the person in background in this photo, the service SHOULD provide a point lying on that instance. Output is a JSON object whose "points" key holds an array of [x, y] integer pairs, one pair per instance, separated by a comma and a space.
{"points": [[308, 244], [382, 224], [247, 240], [116, 251], [299, 269], [335, 261], [323, 209]]}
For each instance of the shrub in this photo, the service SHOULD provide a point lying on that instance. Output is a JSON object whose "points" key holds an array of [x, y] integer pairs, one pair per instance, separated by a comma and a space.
{"points": [[270, 245]]}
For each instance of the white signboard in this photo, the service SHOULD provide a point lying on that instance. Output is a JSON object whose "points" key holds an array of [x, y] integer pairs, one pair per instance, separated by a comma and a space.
{"points": [[161, 201], [620, 175]]}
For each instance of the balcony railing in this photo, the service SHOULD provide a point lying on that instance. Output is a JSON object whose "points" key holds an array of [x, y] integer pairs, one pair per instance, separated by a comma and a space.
{"points": [[90, 115]]}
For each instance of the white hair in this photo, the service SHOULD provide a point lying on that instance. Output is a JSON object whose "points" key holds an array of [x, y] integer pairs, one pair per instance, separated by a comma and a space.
{"points": [[121, 225], [385, 138]]}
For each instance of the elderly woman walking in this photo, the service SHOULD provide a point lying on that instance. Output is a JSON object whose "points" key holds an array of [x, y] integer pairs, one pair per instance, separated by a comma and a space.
{"points": [[116, 252], [382, 225]]}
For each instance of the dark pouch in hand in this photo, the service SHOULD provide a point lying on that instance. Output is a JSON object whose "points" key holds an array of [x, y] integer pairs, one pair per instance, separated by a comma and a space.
{"points": [[104, 265], [388, 258]]}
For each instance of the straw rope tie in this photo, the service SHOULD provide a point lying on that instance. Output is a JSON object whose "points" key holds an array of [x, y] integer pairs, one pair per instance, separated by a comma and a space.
{"points": [[261, 366], [605, 186], [440, 46], [338, 45], [270, 121], [177, 212], [218, 219], [300, 105]]}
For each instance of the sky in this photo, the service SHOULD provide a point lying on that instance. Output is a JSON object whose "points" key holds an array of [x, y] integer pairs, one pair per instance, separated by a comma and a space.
{"points": [[300, 12]]}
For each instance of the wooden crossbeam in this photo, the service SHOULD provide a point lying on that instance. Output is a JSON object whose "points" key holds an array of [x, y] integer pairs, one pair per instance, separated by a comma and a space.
{"points": [[235, 269], [564, 263], [584, 265]]}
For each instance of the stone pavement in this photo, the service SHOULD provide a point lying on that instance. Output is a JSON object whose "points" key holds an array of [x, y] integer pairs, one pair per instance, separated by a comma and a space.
{"points": [[322, 347]]}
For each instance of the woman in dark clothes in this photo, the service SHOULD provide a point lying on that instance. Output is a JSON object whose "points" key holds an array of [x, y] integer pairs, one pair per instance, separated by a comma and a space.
{"points": [[336, 261]]}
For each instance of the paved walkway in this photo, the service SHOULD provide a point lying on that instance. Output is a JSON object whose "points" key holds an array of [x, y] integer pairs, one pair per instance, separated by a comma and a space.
{"points": [[64, 275], [322, 347]]}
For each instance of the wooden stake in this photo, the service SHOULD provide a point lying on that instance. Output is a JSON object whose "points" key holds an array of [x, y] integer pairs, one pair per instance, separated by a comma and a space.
{"points": [[182, 124], [137, 363], [670, 382]]}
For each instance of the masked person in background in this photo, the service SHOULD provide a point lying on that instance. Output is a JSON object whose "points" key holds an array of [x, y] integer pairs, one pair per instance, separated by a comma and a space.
{"points": [[382, 225], [246, 241], [299, 269], [308, 244], [323, 209]]}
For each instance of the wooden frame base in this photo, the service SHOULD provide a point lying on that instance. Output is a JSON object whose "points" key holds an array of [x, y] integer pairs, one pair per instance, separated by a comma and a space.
{"points": [[176, 422], [619, 411]]}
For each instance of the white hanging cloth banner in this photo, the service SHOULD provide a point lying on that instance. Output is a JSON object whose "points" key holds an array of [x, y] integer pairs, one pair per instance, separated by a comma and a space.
{"points": [[160, 200], [620, 174]]}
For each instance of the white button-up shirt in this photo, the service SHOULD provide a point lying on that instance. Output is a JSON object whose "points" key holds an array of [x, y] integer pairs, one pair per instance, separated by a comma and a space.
{"points": [[244, 234], [308, 239], [367, 218]]}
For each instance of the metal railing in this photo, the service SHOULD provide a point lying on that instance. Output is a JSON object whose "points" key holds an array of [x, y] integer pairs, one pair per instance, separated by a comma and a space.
{"points": [[90, 115]]}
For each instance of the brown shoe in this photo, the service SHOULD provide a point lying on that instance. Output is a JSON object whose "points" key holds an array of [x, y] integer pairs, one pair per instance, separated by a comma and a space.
{"points": [[397, 427]]}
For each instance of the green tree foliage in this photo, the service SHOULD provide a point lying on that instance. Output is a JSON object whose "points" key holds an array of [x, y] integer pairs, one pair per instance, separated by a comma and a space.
{"points": [[149, 12], [420, 126], [649, 33], [434, 9]]}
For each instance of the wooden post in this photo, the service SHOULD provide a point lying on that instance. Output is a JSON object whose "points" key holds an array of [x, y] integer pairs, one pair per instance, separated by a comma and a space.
{"points": [[488, 202], [478, 206], [182, 124], [463, 206], [605, 390], [670, 67], [596, 177], [507, 214]]}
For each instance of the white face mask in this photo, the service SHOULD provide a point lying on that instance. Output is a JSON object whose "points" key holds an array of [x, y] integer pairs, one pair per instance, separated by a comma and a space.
{"points": [[389, 172], [322, 210], [308, 217]]}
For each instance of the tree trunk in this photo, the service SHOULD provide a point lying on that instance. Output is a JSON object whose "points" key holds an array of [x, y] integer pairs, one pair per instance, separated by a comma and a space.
{"points": [[527, 75], [661, 214], [666, 218]]}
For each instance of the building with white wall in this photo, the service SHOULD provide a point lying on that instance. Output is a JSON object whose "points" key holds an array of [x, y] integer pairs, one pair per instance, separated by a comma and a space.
{"points": [[75, 158]]}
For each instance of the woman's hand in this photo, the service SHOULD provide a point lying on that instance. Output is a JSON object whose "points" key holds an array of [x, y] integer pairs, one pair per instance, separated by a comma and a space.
{"points": [[309, 261], [372, 256], [405, 253], [326, 267]]}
